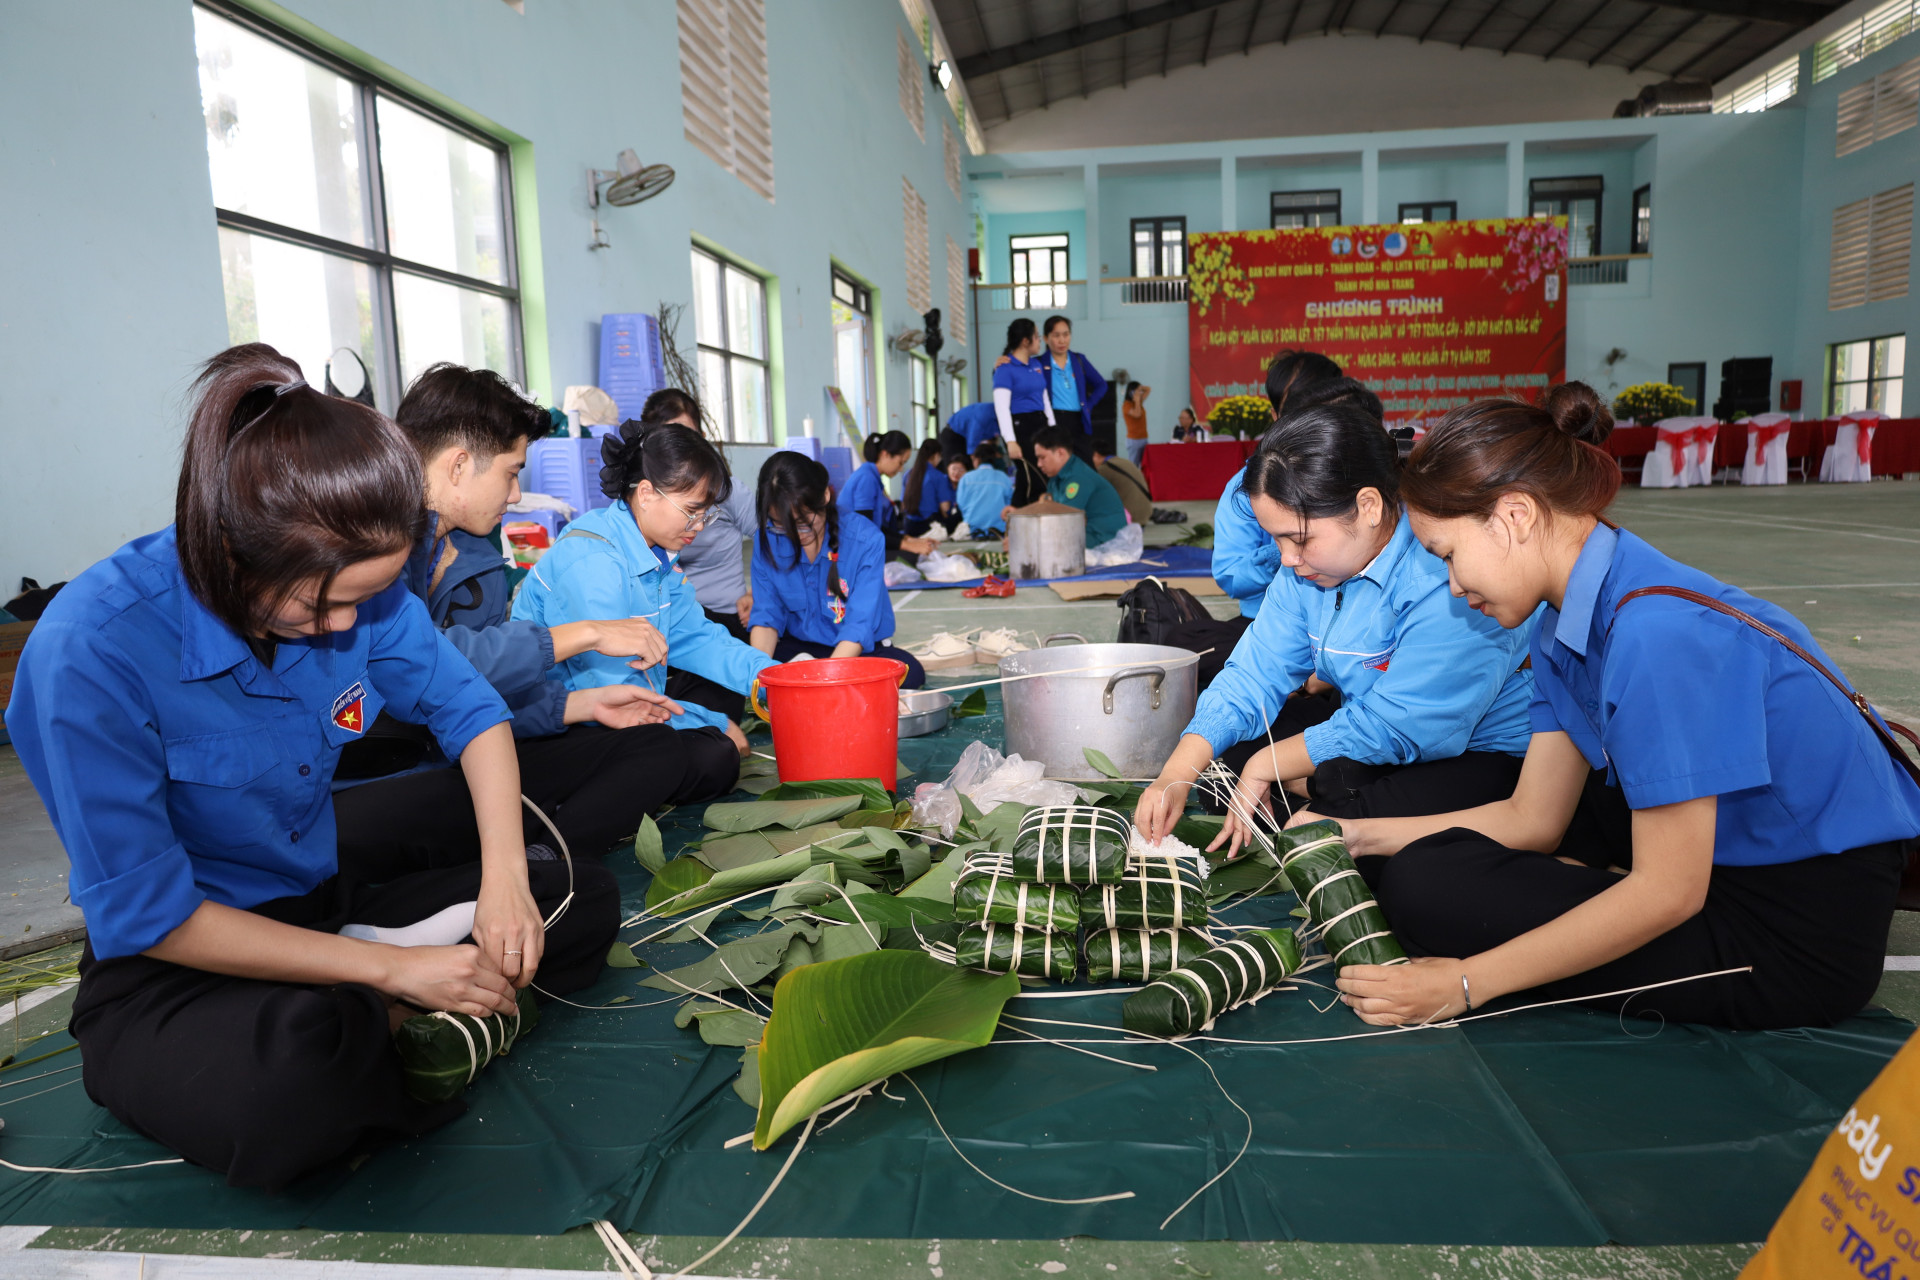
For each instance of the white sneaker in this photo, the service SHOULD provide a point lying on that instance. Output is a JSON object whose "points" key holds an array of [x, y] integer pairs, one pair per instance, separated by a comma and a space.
{"points": [[991, 646]]}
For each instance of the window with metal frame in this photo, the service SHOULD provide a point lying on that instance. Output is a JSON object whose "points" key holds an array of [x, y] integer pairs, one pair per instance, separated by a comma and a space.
{"points": [[1160, 258], [1691, 377], [852, 310], [1304, 209], [1866, 375], [1430, 211], [1768, 89], [1578, 201], [350, 215], [1039, 265], [730, 329], [1878, 108], [1864, 36], [1642, 220]]}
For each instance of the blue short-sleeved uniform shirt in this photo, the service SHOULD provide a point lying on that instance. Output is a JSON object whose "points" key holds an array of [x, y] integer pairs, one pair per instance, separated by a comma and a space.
{"points": [[977, 423], [1027, 382], [1062, 384], [983, 494], [179, 769], [935, 488], [794, 595], [865, 492], [1680, 702]]}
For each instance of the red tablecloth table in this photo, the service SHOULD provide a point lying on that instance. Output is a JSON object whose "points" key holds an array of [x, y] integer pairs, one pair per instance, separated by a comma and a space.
{"points": [[1896, 445], [1193, 472]]}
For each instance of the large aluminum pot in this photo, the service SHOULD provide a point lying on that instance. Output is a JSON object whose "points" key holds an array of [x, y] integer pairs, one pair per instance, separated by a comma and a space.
{"points": [[1053, 545], [1133, 705]]}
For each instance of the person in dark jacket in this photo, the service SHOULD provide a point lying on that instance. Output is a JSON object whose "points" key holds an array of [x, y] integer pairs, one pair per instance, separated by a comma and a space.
{"points": [[595, 760]]}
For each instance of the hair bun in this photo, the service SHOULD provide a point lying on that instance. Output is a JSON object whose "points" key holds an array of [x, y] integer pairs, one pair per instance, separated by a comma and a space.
{"points": [[1579, 411], [620, 454]]}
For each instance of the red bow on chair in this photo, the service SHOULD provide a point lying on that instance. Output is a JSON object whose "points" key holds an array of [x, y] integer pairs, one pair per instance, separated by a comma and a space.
{"points": [[1676, 442], [1764, 436], [1863, 442]]}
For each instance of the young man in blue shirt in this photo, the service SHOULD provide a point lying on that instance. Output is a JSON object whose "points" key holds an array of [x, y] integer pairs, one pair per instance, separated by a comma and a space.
{"points": [[595, 760]]}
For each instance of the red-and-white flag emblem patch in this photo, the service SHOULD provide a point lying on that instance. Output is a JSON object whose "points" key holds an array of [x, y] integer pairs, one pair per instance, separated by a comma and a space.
{"points": [[348, 712]]}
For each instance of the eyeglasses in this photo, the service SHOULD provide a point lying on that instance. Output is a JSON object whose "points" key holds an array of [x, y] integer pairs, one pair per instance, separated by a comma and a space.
{"points": [[695, 519]]}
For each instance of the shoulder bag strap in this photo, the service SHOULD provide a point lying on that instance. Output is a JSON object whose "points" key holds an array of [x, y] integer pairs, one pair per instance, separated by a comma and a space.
{"points": [[1883, 731]]}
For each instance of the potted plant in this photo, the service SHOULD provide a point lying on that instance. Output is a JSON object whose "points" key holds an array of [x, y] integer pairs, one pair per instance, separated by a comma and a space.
{"points": [[1649, 402], [1240, 416]]}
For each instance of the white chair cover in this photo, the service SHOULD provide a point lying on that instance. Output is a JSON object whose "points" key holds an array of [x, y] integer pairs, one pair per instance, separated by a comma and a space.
{"points": [[1850, 458], [1705, 434], [1766, 449], [1674, 462]]}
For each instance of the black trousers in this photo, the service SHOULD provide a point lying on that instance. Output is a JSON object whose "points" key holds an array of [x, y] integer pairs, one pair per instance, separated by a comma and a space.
{"points": [[684, 686], [265, 1081], [1343, 788], [952, 443], [1079, 432], [595, 783], [787, 648], [1815, 931]]}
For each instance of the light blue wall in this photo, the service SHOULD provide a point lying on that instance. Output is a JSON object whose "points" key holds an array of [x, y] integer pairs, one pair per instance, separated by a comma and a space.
{"points": [[1193, 196], [1742, 210], [124, 279], [1832, 181]]}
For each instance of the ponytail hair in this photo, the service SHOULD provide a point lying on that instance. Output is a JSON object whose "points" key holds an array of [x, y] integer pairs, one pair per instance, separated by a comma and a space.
{"points": [[886, 442], [1291, 372], [1315, 462], [282, 485], [1550, 452], [1019, 333], [793, 485], [671, 457], [928, 456]]}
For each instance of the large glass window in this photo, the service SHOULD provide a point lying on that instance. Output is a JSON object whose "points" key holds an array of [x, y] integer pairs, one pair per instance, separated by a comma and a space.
{"points": [[1159, 246], [730, 329], [1578, 201], [853, 348], [922, 386], [1429, 211], [1642, 220], [351, 217], [1305, 209], [1866, 375], [1039, 264]]}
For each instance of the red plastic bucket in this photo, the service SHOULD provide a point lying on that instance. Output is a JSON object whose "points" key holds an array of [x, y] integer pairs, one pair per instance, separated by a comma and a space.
{"points": [[835, 718]]}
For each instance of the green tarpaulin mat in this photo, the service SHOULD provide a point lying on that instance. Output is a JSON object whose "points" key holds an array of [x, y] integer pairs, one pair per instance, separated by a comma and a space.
{"points": [[1555, 1127]]}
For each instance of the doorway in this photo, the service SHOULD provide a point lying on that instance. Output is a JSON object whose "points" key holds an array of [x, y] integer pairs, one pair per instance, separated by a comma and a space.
{"points": [[1692, 381]]}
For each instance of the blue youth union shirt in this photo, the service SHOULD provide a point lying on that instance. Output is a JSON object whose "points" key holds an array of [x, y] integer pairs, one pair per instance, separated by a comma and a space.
{"points": [[1680, 702], [1245, 556], [1027, 382], [865, 492], [179, 770], [1421, 676], [794, 596]]}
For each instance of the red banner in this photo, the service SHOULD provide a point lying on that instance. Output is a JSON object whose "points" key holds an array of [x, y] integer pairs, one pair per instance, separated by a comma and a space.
{"points": [[1429, 315]]}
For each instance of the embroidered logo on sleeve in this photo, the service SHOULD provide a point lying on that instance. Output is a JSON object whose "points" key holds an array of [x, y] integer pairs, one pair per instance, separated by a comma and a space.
{"points": [[347, 710], [1073, 488]]}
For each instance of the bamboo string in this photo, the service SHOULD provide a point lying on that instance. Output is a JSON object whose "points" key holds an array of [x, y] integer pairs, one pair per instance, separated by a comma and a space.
{"points": [[1118, 1195], [1075, 671]]}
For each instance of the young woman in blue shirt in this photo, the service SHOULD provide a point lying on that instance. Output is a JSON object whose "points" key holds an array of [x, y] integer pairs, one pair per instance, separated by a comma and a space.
{"points": [[1433, 697], [1714, 800], [865, 491], [181, 707], [819, 585], [1074, 386], [1021, 400], [622, 561], [928, 495]]}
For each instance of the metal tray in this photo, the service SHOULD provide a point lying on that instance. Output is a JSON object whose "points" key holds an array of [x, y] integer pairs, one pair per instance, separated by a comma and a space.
{"points": [[927, 712]]}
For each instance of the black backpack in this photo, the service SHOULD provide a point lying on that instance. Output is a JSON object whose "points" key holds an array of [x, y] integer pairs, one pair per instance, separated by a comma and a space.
{"points": [[1153, 612]]}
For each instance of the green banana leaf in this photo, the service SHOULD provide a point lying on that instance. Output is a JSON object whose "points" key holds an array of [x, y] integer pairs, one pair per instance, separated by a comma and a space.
{"points": [[441, 1053], [747, 1087], [1254, 873], [937, 884], [1100, 761], [648, 846], [1007, 948], [997, 827], [1193, 995], [720, 1024], [1140, 955], [744, 848], [872, 794], [739, 963], [756, 815], [1323, 876], [844, 1024], [974, 704], [885, 910], [679, 889], [835, 942]]}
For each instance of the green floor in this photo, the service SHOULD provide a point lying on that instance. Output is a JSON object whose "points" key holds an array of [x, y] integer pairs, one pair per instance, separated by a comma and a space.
{"points": [[1842, 559]]}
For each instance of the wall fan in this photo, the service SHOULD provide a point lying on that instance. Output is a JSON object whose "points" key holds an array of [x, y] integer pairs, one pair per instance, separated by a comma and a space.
{"points": [[629, 184]]}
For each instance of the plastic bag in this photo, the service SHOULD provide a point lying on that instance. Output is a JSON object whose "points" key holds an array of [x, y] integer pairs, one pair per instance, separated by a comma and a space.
{"points": [[1124, 547], [1858, 1212], [937, 806], [938, 566], [988, 778], [899, 575]]}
